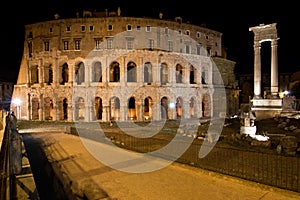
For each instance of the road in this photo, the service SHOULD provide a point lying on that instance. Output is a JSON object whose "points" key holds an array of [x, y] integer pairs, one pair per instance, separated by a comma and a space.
{"points": [[81, 174]]}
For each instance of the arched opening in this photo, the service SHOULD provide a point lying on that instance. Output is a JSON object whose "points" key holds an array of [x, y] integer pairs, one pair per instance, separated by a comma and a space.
{"points": [[114, 108], [65, 109], [179, 105], [48, 108], [179, 73], [35, 108], [65, 74], [131, 72], [148, 72], [164, 73], [192, 107], [164, 108], [98, 108], [80, 108], [148, 108], [131, 108], [97, 72], [79, 73], [114, 72], [192, 75]]}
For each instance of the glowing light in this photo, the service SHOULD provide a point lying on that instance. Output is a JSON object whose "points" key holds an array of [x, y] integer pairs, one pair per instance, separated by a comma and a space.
{"points": [[286, 92], [172, 105], [17, 101]]}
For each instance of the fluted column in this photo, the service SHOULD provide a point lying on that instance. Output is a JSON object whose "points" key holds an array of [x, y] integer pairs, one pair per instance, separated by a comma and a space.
{"points": [[257, 70], [274, 69]]}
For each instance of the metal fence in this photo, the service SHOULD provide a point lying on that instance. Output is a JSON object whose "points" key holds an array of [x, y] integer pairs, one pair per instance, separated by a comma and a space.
{"points": [[267, 168]]}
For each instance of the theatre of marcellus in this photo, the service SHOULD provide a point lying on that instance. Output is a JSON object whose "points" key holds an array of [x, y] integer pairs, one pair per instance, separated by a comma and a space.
{"points": [[101, 66]]}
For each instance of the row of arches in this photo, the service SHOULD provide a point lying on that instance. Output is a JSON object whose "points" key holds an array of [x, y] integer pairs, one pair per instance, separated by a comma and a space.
{"points": [[133, 73], [134, 109]]}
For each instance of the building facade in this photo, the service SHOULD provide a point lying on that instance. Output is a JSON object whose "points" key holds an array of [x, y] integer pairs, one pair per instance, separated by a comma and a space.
{"points": [[103, 66]]}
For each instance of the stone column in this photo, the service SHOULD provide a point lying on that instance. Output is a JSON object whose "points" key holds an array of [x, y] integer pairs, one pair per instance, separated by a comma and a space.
{"points": [[274, 70], [257, 70]]}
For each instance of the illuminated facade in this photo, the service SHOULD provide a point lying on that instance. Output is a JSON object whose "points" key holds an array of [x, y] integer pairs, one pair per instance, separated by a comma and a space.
{"points": [[107, 67]]}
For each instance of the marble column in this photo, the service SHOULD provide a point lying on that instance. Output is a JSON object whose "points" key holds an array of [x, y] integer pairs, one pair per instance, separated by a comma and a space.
{"points": [[274, 69], [257, 70]]}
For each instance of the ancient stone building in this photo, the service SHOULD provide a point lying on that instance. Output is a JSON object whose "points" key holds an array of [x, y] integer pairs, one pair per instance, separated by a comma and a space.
{"points": [[103, 66]]}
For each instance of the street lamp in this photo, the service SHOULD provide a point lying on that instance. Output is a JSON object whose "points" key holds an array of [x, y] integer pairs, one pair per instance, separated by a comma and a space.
{"points": [[17, 102]]}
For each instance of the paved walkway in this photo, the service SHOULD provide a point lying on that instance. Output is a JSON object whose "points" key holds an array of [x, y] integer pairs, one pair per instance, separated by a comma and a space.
{"points": [[86, 176]]}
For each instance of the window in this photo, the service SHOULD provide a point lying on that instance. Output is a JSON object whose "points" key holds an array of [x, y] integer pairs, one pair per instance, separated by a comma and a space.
{"points": [[109, 43], [91, 28], [46, 45], [51, 30], [30, 35], [208, 50], [166, 30], [187, 32], [198, 34], [170, 46], [83, 28], [151, 44], [66, 45], [68, 29], [138, 27], [148, 28], [187, 49], [206, 37], [77, 44], [198, 49], [110, 27], [129, 27], [97, 43], [129, 42]]}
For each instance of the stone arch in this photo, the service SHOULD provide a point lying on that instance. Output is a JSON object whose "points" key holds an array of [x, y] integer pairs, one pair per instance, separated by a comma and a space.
{"points": [[48, 74], [114, 105], [164, 107], [148, 102], [132, 109], [98, 108], [79, 73], [97, 72], [164, 72], [148, 72], [64, 73], [131, 72], [65, 108], [48, 108], [35, 108], [179, 73], [193, 75], [192, 107], [80, 109], [114, 72], [179, 107]]}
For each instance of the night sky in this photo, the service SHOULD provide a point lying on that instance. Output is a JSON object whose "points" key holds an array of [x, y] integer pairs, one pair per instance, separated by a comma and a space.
{"points": [[232, 19]]}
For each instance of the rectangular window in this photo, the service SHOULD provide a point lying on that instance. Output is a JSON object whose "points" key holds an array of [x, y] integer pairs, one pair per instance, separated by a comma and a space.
{"points": [[66, 45], [46, 46], [83, 28], [51, 30], [77, 44], [68, 29], [97, 43], [129, 42], [151, 44], [91, 28], [166, 31], [170, 46], [148, 28], [129, 27], [138, 27], [110, 27], [109, 43], [199, 49], [187, 49]]}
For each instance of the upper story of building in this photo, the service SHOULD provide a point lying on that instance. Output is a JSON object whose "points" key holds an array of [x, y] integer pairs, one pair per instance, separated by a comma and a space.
{"points": [[103, 30]]}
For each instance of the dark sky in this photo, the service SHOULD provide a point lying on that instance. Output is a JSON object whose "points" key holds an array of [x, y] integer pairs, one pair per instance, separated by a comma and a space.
{"points": [[232, 19]]}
